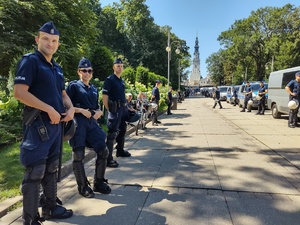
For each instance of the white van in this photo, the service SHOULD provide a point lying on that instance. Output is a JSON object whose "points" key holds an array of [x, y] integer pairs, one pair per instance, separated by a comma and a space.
{"points": [[278, 97]]}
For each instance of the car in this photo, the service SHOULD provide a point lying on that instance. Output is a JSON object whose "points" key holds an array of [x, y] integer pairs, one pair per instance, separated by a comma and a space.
{"points": [[223, 92], [255, 86], [278, 97]]}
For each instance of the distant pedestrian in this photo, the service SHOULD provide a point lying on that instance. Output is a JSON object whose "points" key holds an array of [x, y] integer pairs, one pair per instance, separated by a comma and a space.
{"points": [[155, 98], [170, 99], [247, 97], [293, 88], [216, 97], [234, 96], [262, 91]]}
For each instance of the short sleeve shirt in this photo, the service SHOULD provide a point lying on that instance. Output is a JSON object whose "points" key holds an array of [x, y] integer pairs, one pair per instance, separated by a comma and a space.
{"points": [[262, 89], [45, 81], [294, 87], [155, 93], [114, 87], [83, 96]]}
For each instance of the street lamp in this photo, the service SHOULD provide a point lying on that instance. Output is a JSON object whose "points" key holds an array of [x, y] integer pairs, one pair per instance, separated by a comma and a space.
{"points": [[272, 64], [168, 49]]}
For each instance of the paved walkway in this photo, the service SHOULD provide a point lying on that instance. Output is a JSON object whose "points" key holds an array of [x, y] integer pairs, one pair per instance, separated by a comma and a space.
{"points": [[200, 166]]}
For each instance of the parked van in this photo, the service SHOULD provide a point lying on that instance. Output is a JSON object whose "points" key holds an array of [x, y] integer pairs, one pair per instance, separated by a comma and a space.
{"points": [[255, 86], [278, 97]]}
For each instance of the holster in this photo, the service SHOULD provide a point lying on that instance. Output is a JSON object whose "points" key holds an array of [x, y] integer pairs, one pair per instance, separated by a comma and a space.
{"points": [[29, 115], [112, 106]]}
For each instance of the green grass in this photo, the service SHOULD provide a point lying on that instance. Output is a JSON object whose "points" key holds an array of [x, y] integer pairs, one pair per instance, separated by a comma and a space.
{"points": [[11, 170]]}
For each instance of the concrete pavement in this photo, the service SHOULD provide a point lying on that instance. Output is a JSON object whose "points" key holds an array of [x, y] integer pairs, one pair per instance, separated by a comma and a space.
{"points": [[200, 166]]}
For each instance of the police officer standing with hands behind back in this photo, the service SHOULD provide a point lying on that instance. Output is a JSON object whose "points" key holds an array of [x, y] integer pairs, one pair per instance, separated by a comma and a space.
{"points": [[85, 97], [39, 84], [293, 88], [155, 98], [114, 100]]}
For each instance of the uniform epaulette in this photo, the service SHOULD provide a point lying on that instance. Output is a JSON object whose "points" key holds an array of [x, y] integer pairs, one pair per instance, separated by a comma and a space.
{"points": [[28, 54], [73, 81]]}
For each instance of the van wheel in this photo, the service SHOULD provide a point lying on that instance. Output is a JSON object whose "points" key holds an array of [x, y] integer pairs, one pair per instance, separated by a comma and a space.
{"points": [[275, 112]]}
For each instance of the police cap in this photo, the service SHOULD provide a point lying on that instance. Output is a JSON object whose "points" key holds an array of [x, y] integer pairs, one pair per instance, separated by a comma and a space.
{"points": [[297, 74], [158, 81], [49, 28], [84, 63], [118, 61]]}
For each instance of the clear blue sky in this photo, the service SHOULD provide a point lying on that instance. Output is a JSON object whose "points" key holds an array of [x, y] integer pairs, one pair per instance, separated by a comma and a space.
{"points": [[207, 18]]}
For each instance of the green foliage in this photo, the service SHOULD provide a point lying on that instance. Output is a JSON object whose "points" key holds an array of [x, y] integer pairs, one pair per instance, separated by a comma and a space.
{"points": [[129, 75], [102, 61], [142, 75]]}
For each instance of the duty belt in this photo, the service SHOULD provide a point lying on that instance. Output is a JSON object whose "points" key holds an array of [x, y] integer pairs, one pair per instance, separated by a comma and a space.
{"points": [[120, 104]]}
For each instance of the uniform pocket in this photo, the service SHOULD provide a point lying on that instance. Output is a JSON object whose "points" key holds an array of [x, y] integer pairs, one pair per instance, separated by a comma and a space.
{"points": [[31, 138]]}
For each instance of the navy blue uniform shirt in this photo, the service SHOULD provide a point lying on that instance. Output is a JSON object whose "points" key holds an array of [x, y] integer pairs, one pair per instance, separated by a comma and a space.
{"points": [[114, 87], [170, 97], [217, 94], [295, 88], [83, 96], [155, 92], [248, 88], [36, 72], [262, 89]]}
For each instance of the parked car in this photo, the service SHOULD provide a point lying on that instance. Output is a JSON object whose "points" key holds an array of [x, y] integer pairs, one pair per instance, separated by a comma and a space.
{"points": [[223, 92], [278, 97], [255, 86]]}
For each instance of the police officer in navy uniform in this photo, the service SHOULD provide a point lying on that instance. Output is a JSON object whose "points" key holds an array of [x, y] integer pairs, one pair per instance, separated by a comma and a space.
{"points": [[155, 98], [262, 91], [234, 95], [114, 100], [248, 96], [84, 97], [216, 97], [170, 99], [39, 84], [293, 88]]}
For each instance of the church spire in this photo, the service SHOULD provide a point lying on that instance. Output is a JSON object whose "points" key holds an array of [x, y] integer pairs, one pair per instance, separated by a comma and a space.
{"points": [[195, 76]]}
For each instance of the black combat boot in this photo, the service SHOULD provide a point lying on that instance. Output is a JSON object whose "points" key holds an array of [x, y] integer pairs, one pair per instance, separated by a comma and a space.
{"points": [[83, 185], [110, 146], [100, 183], [120, 148], [50, 209]]}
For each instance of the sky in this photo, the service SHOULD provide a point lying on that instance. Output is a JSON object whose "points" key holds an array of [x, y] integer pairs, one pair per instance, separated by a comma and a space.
{"points": [[203, 18]]}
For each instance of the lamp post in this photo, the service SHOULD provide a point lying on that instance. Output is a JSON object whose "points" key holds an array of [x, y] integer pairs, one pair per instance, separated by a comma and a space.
{"points": [[179, 75], [272, 64], [168, 49]]}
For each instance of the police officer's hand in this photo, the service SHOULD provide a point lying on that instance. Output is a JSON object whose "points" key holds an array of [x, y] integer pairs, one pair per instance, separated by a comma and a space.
{"points": [[54, 116], [68, 115], [98, 114], [86, 113], [293, 94]]}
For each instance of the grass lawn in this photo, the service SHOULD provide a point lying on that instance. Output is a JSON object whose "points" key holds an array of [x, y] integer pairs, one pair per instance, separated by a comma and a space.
{"points": [[11, 170]]}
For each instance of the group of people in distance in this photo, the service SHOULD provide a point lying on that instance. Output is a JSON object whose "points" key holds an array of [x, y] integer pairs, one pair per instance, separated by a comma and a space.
{"points": [[40, 85]]}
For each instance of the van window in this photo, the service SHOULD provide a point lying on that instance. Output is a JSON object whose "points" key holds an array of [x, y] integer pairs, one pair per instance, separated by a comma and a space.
{"points": [[287, 77]]}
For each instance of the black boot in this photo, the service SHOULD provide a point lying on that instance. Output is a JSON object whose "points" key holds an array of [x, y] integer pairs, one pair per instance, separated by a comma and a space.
{"points": [[83, 185], [110, 146], [100, 183], [30, 203], [50, 209], [120, 147]]}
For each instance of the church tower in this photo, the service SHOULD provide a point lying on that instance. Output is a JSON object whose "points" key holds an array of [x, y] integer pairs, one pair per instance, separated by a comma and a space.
{"points": [[196, 75]]}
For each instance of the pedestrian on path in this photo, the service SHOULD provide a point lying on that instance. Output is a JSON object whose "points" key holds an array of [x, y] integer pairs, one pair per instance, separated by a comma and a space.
{"points": [[170, 99], [40, 85], [114, 100], [155, 98], [84, 97], [216, 97]]}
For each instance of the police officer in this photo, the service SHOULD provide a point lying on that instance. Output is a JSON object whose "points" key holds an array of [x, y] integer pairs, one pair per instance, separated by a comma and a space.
{"points": [[248, 96], [39, 84], [293, 88], [170, 99], [234, 95], [216, 97], [262, 91], [155, 98], [114, 100], [84, 97]]}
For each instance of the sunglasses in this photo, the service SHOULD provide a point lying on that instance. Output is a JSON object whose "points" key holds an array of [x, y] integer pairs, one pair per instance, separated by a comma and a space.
{"points": [[86, 71]]}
